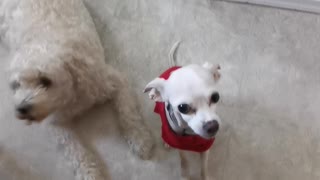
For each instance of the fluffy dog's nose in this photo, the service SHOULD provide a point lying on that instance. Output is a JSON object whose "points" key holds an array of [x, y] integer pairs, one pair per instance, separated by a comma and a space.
{"points": [[24, 109], [211, 127]]}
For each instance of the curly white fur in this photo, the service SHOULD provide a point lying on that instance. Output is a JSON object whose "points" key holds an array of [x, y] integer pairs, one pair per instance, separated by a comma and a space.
{"points": [[58, 70]]}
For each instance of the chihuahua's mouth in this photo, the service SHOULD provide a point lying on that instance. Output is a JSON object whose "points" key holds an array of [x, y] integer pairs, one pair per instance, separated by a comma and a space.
{"points": [[174, 119], [209, 136]]}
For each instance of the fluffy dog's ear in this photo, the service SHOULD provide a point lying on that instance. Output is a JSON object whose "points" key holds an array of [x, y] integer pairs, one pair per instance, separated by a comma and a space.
{"points": [[214, 69], [156, 89]]}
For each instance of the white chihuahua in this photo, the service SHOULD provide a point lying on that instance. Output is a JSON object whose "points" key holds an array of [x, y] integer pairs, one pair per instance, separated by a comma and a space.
{"points": [[186, 99]]}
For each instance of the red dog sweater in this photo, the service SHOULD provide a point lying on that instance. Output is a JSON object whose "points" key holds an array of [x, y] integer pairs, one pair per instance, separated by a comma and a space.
{"points": [[183, 142]]}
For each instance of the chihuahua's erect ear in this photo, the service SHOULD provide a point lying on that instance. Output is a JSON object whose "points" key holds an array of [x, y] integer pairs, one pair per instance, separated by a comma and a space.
{"points": [[214, 69], [156, 89]]}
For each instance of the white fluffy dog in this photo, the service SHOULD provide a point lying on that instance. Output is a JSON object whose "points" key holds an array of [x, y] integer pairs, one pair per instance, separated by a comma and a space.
{"points": [[58, 70]]}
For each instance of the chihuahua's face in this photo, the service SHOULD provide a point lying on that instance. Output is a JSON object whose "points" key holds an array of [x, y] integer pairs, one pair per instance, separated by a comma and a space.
{"points": [[192, 92]]}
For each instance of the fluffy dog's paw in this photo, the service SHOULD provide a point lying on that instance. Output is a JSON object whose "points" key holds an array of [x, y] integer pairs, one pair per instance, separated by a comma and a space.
{"points": [[141, 145], [145, 152]]}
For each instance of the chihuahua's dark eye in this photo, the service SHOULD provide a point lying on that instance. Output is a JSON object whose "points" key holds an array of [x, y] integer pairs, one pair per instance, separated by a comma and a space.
{"points": [[45, 82], [215, 97], [184, 108]]}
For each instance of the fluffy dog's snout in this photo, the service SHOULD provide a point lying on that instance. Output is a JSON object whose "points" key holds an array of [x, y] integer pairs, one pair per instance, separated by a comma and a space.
{"points": [[211, 127], [23, 109]]}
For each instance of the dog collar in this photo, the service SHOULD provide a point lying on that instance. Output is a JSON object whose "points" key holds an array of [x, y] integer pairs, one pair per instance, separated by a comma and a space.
{"points": [[174, 119]]}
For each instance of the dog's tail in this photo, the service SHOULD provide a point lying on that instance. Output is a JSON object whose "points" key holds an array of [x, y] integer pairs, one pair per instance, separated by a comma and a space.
{"points": [[172, 54]]}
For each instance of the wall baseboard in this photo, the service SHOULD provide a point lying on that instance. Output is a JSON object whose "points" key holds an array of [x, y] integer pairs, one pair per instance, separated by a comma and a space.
{"points": [[300, 5]]}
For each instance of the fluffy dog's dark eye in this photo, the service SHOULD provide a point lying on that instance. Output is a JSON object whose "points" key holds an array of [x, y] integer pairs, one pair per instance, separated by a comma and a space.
{"points": [[215, 97], [45, 82], [184, 108], [14, 85]]}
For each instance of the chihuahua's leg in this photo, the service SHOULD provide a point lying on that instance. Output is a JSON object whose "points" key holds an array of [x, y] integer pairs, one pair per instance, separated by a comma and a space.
{"points": [[204, 165], [166, 146], [184, 166]]}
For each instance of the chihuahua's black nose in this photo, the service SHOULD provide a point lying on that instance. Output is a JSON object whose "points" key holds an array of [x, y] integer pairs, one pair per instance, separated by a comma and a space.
{"points": [[24, 109], [211, 127]]}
